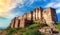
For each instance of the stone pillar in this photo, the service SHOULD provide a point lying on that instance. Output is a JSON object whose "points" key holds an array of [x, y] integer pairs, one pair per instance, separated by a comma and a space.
{"points": [[19, 23], [22, 23], [29, 16], [13, 23], [25, 16], [34, 15], [40, 14], [37, 14], [16, 23]]}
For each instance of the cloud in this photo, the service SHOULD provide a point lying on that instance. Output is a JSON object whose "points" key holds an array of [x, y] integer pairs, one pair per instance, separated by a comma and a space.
{"points": [[11, 4], [28, 3], [11, 15], [57, 5], [49, 5], [55, 1], [7, 5], [58, 10], [2, 17], [54, 5], [14, 3]]}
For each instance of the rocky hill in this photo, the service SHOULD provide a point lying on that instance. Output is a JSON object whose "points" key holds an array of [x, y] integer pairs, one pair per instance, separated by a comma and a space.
{"points": [[33, 29]]}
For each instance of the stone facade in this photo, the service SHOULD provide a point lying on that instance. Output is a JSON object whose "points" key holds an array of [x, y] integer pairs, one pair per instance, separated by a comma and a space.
{"points": [[43, 16]]}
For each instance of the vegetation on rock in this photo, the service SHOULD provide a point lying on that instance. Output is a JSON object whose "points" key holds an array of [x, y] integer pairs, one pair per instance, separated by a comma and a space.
{"points": [[29, 30], [58, 26]]}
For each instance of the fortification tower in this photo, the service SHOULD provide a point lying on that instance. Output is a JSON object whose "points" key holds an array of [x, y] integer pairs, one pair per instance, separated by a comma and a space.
{"points": [[50, 16]]}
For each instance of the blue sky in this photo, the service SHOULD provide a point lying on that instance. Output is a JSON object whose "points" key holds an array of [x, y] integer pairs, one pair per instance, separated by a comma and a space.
{"points": [[19, 7]]}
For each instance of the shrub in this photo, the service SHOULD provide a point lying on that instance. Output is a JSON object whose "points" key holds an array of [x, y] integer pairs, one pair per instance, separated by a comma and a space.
{"points": [[12, 30], [58, 26], [33, 26], [29, 30], [32, 32]]}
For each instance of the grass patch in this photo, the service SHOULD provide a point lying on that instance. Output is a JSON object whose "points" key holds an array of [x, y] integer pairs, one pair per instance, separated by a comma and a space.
{"points": [[29, 30], [58, 26], [32, 32], [36, 25]]}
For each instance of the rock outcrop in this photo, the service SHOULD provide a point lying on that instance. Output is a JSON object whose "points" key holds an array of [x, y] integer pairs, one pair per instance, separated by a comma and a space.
{"points": [[39, 15]]}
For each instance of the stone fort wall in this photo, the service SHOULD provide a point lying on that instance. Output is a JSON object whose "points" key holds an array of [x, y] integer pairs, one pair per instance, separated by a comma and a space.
{"points": [[39, 15]]}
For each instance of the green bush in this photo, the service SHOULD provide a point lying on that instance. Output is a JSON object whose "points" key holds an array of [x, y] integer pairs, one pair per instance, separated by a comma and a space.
{"points": [[29, 30], [36, 25], [24, 32], [32, 32], [11, 31], [58, 26]]}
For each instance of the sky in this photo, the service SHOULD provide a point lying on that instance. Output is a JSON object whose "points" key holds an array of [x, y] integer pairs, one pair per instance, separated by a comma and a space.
{"points": [[14, 8]]}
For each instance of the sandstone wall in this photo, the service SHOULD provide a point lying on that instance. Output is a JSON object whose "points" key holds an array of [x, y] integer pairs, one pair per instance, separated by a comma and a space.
{"points": [[50, 16], [44, 16]]}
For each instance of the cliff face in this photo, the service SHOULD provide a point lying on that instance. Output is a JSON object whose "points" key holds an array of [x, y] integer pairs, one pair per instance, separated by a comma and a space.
{"points": [[39, 15]]}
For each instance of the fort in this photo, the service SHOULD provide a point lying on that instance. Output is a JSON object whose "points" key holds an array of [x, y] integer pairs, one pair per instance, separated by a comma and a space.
{"points": [[38, 15]]}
